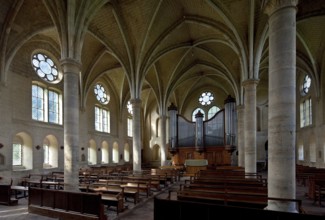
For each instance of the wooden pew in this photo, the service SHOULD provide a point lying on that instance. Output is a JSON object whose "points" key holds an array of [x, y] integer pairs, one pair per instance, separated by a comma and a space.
{"points": [[234, 195], [224, 188], [5, 195], [32, 180], [318, 190], [110, 197], [139, 185], [172, 175], [223, 198], [154, 181], [113, 188], [315, 184], [229, 182], [66, 205], [185, 210], [304, 173], [227, 173], [43, 181]]}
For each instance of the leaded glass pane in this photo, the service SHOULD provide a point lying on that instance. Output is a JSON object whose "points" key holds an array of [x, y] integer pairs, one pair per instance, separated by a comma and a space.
{"points": [[17, 155]]}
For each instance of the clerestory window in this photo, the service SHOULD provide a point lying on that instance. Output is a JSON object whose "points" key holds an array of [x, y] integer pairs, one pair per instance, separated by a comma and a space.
{"points": [[102, 114], [305, 102], [46, 104]]}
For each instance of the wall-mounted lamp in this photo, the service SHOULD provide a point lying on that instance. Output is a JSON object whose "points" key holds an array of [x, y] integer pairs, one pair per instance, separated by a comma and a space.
{"points": [[37, 147], [1, 145], [62, 147], [82, 148]]}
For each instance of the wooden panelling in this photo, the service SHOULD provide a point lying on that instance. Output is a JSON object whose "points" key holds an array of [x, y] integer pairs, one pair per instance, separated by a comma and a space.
{"points": [[215, 155]]}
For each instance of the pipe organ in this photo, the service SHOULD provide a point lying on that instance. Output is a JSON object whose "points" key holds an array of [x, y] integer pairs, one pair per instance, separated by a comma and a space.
{"points": [[214, 139]]}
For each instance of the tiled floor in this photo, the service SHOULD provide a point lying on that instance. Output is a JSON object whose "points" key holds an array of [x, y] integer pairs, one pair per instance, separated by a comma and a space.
{"points": [[143, 210]]}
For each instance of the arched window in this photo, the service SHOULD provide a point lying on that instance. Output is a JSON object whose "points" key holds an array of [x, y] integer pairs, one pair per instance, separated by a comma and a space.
{"points": [[46, 101], [102, 119], [212, 111], [17, 154], [22, 152], [105, 153], [196, 111], [115, 153], [301, 152], [46, 104], [50, 152], [305, 102], [129, 120], [126, 152], [92, 153], [102, 115]]}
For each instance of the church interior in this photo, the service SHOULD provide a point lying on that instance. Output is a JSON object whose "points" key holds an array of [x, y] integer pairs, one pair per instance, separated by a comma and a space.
{"points": [[132, 86]]}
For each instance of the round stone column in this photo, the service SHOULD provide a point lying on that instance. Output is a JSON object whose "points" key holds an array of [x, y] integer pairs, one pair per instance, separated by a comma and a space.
{"points": [[241, 135], [136, 128], [250, 125], [71, 70], [163, 150], [282, 103]]}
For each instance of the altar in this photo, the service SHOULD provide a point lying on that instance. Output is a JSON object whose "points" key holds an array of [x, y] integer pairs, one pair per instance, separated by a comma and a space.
{"points": [[192, 166]]}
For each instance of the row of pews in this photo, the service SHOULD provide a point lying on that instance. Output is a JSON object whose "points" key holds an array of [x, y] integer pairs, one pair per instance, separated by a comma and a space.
{"points": [[314, 179], [209, 193], [115, 189], [99, 188]]}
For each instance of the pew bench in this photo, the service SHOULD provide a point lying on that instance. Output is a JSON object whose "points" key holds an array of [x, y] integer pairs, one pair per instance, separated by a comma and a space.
{"points": [[23, 190], [111, 196], [185, 210], [172, 175], [224, 188], [223, 198], [144, 179], [112, 188], [140, 187], [66, 205], [241, 199], [229, 182], [113, 199], [319, 191], [5, 195]]}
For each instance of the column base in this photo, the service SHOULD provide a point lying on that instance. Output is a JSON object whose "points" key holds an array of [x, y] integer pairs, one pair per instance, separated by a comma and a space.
{"points": [[282, 206]]}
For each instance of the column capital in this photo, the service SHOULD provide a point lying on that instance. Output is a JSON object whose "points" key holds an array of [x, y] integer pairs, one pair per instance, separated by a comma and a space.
{"points": [[70, 65], [250, 82], [135, 101], [271, 6]]}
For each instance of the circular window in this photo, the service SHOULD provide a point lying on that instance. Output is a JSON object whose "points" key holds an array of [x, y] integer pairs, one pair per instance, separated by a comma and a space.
{"points": [[101, 94], [306, 85], [206, 98], [45, 68]]}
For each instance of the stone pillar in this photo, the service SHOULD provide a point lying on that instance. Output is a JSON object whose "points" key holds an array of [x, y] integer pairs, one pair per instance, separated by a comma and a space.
{"points": [[250, 125], [136, 129], [282, 103], [71, 70], [163, 150], [241, 135]]}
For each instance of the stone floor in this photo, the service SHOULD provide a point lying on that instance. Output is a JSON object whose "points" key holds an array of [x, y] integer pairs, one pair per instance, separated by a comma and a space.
{"points": [[143, 210]]}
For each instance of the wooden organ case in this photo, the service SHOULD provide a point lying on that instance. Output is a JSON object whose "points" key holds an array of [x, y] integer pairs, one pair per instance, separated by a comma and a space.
{"points": [[219, 136]]}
